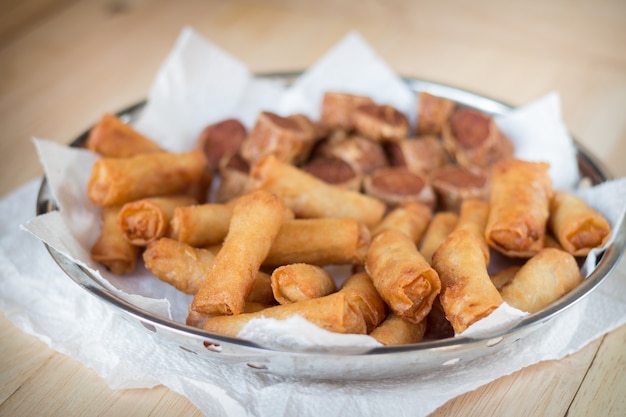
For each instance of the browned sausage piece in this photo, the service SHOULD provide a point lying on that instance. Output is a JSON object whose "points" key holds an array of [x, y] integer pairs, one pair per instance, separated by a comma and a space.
{"points": [[422, 154], [432, 113], [337, 109], [395, 185], [335, 171], [362, 154], [454, 183], [234, 178], [382, 123], [220, 139]]}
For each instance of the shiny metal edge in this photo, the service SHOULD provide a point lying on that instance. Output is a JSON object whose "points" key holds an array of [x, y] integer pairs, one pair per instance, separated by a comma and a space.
{"points": [[589, 165]]}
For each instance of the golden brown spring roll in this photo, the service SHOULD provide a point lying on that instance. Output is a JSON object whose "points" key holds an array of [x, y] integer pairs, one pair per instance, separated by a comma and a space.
{"points": [[186, 268], [200, 225], [332, 312], [120, 180], [115, 139], [298, 282], [578, 227], [438, 229], [254, 224], [197, 319], [410, 218], [146, 220], [394, 330], [401, 275], [467, 293], [112, 249], [322, 241], [504, 276], [473, 218], [310, 197], [541, 280], [519, 201], [365, 298]]}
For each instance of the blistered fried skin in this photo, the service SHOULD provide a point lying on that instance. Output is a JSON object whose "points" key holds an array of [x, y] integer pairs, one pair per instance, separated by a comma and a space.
{"points": [[310, 197], [394, 330], [113, 138], [411, 218], [332, 312], [221, 139], [473, 218], [298, 282], [290, 139], [148, 219], [201, 224], [338, 108], [396, 185], [455, 183], [364, 297], [432, 113], [254, 224], [504, 276], [402, 276], [577, 227], [474, 139], [519, 201], [544, 278], [382, 123], [421, 155], [120, 180], [111, 248], [334, 171], [362, 154], [467, 293], [441, 225]]}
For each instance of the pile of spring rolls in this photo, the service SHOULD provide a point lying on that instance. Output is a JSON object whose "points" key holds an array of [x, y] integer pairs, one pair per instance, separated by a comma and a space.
{"points": [[439, 224]]}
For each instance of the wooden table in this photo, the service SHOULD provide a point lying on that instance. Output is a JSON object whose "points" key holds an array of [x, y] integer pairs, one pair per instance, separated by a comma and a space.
{"points": [[65, 62]]}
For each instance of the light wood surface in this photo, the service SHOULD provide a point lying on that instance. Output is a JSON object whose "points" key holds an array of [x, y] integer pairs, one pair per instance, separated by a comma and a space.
{"points": [[63, 63]]}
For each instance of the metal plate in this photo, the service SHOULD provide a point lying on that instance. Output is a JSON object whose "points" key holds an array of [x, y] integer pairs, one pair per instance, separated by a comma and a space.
{"points": [[347, 363]]}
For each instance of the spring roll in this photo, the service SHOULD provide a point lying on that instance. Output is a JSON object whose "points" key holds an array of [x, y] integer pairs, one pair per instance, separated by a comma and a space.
{"points": [[115, 139], [146, 220], [310, 197], [120, 180], [394, 330], [504, 276], [438, 229], [467, 293], [473, 218], [365, 298], [402, 276], [112, 249], [323, 241], [578, 227], [332, 312], [298, 282], [254, 224], [186, 268], [543, 279], [410, 218], [200, 225], [519, 203]]}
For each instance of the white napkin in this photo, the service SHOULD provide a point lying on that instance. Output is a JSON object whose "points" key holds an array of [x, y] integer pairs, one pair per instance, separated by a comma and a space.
{"points": [[172, 118]]}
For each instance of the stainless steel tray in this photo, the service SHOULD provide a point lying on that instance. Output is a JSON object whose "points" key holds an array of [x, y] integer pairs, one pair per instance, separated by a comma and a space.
{"points": [[347, 363]]}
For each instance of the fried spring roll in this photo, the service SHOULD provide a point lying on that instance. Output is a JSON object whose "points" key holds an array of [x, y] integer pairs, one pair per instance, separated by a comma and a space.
{"points": [[541, 280], [394, 330], [504, 276], [519, 207], [254, 224], [410, 218], [200, 225], [298, 282], [146, 220], [115, 139], [438, 229], [467, 293], [365, 298], [323, 241], [401, 275], [186, 268], [310, 197], [578, 227], [112, 249], [332, 312], [120, 180], [473, 218]]}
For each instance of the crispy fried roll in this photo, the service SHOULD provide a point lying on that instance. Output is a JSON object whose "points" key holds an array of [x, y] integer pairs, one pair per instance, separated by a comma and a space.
{"points": [[541, 280], [254, 224], [115, 139], [298, 282], [519, 203], [410, 218], [365, 298], [401, 275], [394, 330], [112, 249], [577, 227], [201, 224], [438, 229]]}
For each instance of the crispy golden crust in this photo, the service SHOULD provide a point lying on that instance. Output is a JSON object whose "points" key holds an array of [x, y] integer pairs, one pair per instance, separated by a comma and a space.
{"points": [[298, 282], [115, 139], [111, 248]]}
